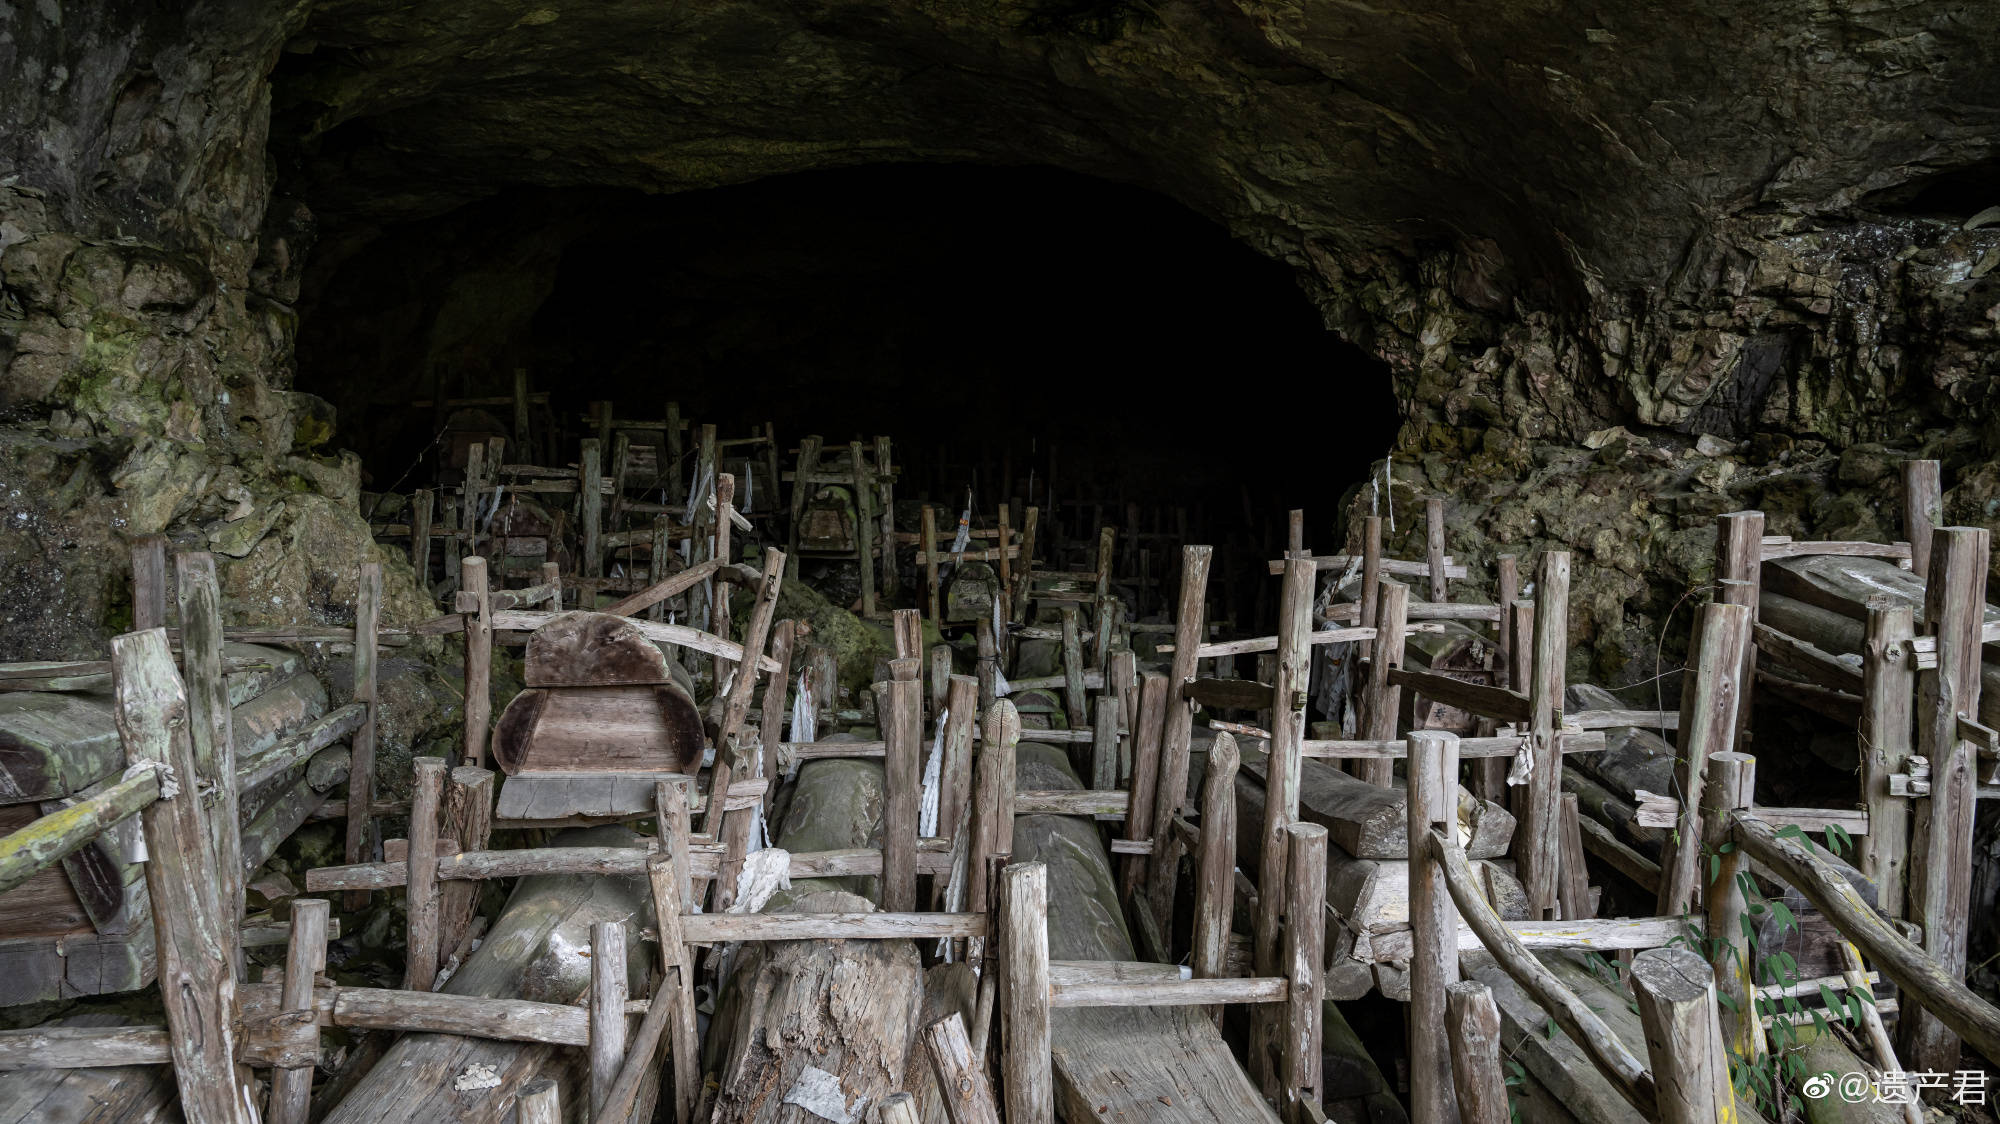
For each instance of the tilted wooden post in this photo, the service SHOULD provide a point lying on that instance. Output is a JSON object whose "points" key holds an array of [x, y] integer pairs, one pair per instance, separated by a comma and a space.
{"points": [[900, 702], [1106, 717], [1941, 861], [988, 662], [1489, 774], [1304, 957], [1024, 994], [420, 883], [361, 749], [1281, 790], [467, 818], [1536, 840], [1684, 1045], [1177, 738], [305, 959], [149, 582], [1472, 1027], [1072, 658], [474, 580], [961, 1077], [927, 542], [609, 988], [1708, 726], [422, 507], [1392, 602], [1432, 773], [197, 945], [955, 771], [1923, 504], [590, 510], [1024, 581], [1888, 698], [1434, 545], [1731, 787], [718, 590], [1215, 878], [669, 881], [1149, 724], [211, 733], [864, 528], [1739, 567], [993, 803]]}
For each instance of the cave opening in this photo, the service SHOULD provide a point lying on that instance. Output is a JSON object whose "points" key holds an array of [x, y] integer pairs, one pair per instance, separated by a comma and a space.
{"points": [[1000, 324]]}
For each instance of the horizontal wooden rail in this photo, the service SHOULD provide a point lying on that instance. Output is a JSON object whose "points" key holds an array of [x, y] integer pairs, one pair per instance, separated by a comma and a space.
{"points": [[1270, 643], [704, 861], [1610, 719], [1425, 611], [1072, 802], [466, 601], [1573, 741], [58, 835], [1111, 983], [715, 928], [1601, 934], [519, 621], [1771, 550], [299, 747], [1497, 703], [1395, 567], [1905, 964]]}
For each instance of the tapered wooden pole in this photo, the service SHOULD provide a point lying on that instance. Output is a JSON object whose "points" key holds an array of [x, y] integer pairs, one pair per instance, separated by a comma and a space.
{"points": [[1941, 867], [1684, 1044], [1708, 726], [901, 703], [1384, 698], [1472, 1031], [1731, 785], [1215, 880], [1432, 773], [1024, 994], [590, 509]]}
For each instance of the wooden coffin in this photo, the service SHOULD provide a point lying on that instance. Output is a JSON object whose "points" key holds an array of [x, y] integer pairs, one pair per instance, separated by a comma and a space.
{"points": [[827, 524]]}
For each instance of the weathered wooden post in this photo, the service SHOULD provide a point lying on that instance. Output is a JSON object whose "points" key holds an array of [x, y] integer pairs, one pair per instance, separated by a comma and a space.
{"points": [[718, 590], [1888, 695], [540, 1102], [197, 946], [469, 494], [467, 818], [1106, 717], [1739, 568], [1024, 582], [1371, 576], [1730, 787], [885, 509], [1148, 726], [608, 992], [1072, 659], [1684, 1045], [1295, 533], [1304, 957], [1535, 841], [211, 733], [590, 510], [422, 507], [1923, 510], [1392, 604], [906, 627], [1434, 545], [955, 771], [149, 582], [993, 808], [927, 542], [305, 959], [521, 415], [732, 754], [961, 1077], [899, 1108], [1006, 569], [1281, 791], [1432, 775], [1472, 1027], [1489, 774], [1215, 878], [671, 901], [361, 749], [864, 528], [420, 882], [900, 702], [1024, 993], [1941, 873], [937, 678], [1708, 726], [988, 663], [1176, 739], [475, 583]]}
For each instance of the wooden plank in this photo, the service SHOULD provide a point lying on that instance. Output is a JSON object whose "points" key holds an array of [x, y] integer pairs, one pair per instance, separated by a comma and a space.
{"points": [[1099, 983], [197, 952], [717, 928], [1394, 567], [865, 529], [1507, 745], [211, 732], [900, 702], [1068, 802], [1304, 958], [1942, 839], [1270, 643], [1497, 703], [1423, 611], [1434, 546], [519, 620], [1149, 726], [590, 508]]}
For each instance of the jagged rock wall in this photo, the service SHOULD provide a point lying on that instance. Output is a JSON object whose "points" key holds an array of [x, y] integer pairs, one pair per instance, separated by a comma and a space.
{"points": [[1704, 219]]}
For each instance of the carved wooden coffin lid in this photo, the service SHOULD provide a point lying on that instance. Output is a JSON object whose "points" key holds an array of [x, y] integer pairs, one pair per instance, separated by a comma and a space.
{"points": [[592, 650], [600, 698]]}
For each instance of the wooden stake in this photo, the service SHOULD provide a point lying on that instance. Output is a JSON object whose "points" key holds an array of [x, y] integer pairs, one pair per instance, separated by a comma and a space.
{"points": [[478, 660], [540, 1102], [928, 536], [899, 1108], [1432, 775], [468, 818], [989, 661], [1923, 504], [961, 1076], [670, 896], [1434, 545], [1104, 744], [1392, 601], [993, 808], [640, 1060], [305, 959], [718, 590], [1148, 726], [1371, 575], [197, 950], [590, 509], [939, 679], [1281, 790], [1739, 568], [1489, 775], [608, 992], [1024, 994], [1573, 885], [211, 733], [521, 412], [1024, 582], [426, 792], [1177, 736], [621, 466], [1072, 658], [885, 481], [1006, 564], [423, 505], [1684, 1044], [1304, 955], [1730, 787], [149, 583], [1707, 727], [361, 749], [1472, 1027], [906, 626], [955, 772], [1535, 842], [901, 704], [1215, 878], [1941, 861], [864, 529], [1888, 695]]}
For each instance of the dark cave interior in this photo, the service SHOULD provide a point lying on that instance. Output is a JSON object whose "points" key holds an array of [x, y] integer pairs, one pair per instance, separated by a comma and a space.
{"points": [[980, 316]]}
